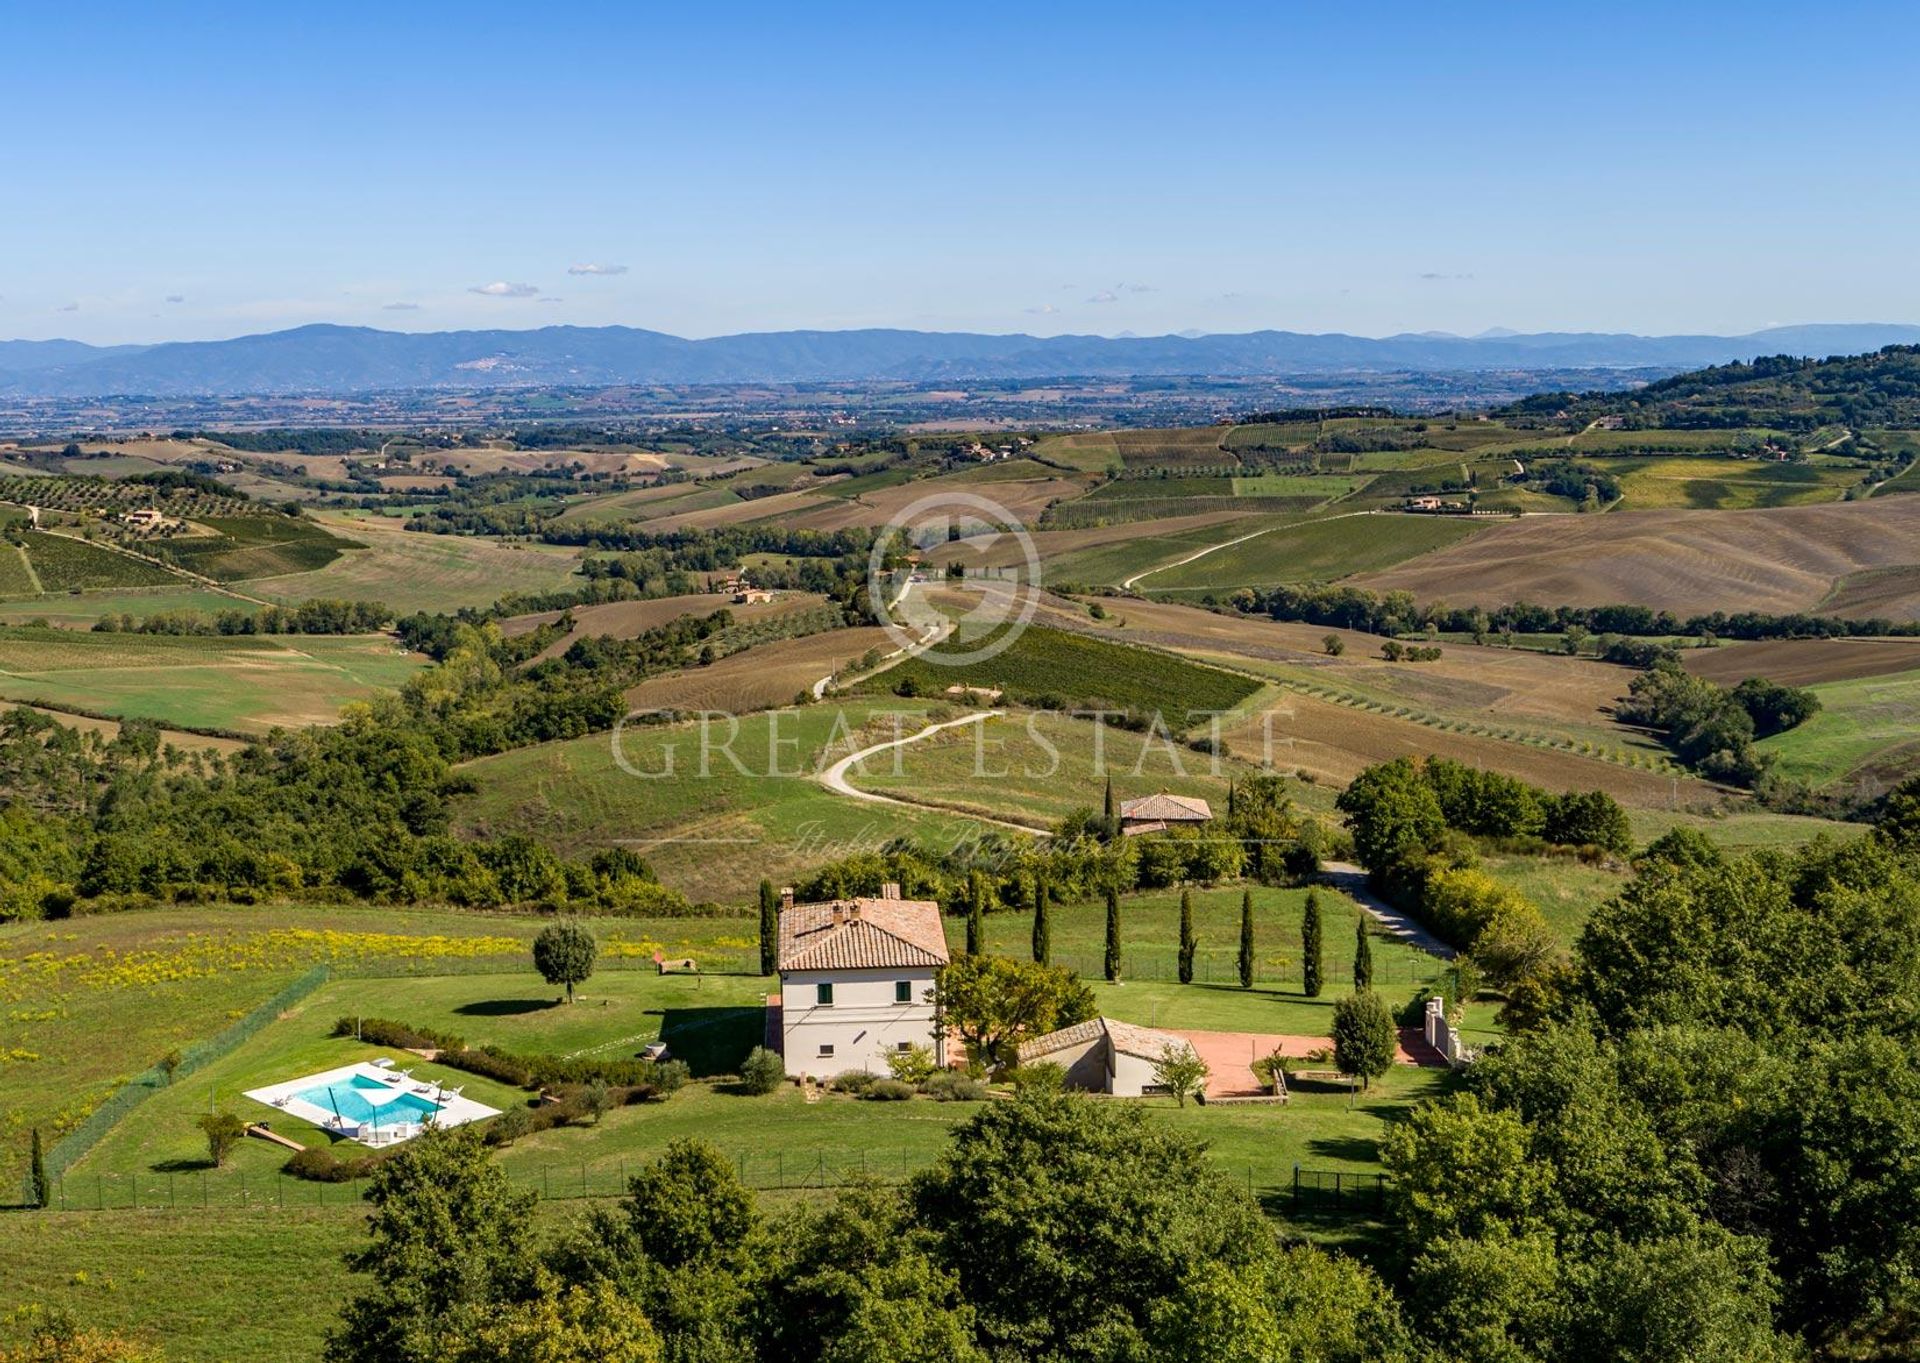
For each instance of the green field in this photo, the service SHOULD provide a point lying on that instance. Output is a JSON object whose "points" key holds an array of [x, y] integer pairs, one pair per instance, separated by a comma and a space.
{"points": [[712, 835], [1725, 483], [1036, 767], [1866, 734], [1315, 551], [79, 611], [419, 572], [16, 577], [246, 683], [1077, 671], [66, 565], [254, 546]]}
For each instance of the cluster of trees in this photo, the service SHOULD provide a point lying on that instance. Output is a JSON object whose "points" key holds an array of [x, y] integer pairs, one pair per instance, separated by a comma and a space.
{"points": [[1053, 1228], [1582, 483], [320, 616], [1705, 1136], [1710, 727], [1414, 825], [1397, 612]]}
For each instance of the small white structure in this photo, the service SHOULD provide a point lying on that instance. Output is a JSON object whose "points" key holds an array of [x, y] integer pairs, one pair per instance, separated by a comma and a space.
{"points": [[856, 982], [1155, 813], [1443, 1036], [1104, 1056]]}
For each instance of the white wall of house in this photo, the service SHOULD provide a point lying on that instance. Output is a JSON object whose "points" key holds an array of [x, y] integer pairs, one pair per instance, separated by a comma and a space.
{"points": [[865, 1022], [1131, 1075]]}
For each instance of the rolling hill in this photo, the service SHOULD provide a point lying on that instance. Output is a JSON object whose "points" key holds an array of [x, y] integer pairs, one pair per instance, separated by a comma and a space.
{"points": [[337, 359]]}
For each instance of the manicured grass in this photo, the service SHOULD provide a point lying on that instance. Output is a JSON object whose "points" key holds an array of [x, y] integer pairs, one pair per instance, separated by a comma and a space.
{"points": [[243, 682], [1316, 551], [1726, 483]]}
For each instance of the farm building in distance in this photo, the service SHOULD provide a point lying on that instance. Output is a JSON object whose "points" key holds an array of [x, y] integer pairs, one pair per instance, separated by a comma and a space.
{"points": [[856, 981], [1156, 813]]}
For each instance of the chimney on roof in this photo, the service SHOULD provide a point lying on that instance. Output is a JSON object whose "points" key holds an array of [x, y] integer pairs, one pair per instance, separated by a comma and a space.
{"points": [[890, 890], [786, 896], [839, 914], [853, 911]]}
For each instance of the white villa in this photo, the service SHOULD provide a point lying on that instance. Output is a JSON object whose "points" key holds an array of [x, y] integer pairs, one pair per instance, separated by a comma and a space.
{"points": [[856, 981]]}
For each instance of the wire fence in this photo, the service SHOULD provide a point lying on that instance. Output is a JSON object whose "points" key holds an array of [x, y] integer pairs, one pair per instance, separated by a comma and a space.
{"points": [[1162, 966], [1314, 1192], [70, 1147]]}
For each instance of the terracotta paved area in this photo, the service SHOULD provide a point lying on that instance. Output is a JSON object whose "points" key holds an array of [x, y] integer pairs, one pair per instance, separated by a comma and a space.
{"points": [[1230, 1055]]}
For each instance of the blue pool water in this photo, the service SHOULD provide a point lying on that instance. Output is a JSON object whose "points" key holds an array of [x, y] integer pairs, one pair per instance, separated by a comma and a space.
{"points": [[350, 1099]]}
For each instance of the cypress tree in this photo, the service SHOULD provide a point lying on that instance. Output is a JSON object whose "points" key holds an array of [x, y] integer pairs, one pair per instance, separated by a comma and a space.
{"points": [[1113, 819], [976, 913], [1246, 939], [1113, 936], [39, 1186], [1310, 967], [1187, 944], [1042, 923], [1362, 957], [769, 928], [1231, 811]]}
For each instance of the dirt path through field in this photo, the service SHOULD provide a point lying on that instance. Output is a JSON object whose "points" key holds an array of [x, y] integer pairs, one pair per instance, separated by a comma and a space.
{"points": [[834, 778], [1351, 881]]}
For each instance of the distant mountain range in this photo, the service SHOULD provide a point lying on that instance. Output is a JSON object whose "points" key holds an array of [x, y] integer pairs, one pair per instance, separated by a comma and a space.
{"points": [[335, 360]]}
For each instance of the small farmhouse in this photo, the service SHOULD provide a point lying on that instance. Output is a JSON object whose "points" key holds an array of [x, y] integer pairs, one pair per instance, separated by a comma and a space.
{"points": [[1104, 1056], [856, 981], [1155, 813]]}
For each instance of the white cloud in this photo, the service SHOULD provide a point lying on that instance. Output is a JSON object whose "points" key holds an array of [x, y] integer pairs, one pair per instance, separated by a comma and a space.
{"points": [[176, 298], [596, 269], [1044, 310], [1105, 296], [501, 289], [399, 307]]}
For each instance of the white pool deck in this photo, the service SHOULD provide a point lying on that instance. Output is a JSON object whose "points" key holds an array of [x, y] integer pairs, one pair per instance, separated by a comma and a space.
{"points": [[453, 1108]]}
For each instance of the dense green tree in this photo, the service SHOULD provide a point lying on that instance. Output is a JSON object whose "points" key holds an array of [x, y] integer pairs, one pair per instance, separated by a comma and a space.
{"points": [[997, 1002], [1072, 1225], [1311, 947], [1246, 939], [39, 1184], [1180, 1071], [1187, 943], [769, 928], [1362, 955], [591, 1323], [1042, 923], [1112, 962], [564, 953], [447, 1233], [1364, 1038], [1391, 811], [979, 900]]}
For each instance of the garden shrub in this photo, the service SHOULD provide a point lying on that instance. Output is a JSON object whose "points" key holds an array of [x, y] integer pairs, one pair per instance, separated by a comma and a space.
{"points": [[762, 1072], [888, 1091], [954, 1087], [853, 1081]]}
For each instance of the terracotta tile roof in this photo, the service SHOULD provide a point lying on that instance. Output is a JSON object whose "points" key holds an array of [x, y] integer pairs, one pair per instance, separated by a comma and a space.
{"points": [[862, 934], [1124, 1037], [1166, 808]]}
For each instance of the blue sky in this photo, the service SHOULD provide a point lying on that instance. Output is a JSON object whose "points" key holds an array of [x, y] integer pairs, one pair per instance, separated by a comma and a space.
{"points": [[193, 171]]}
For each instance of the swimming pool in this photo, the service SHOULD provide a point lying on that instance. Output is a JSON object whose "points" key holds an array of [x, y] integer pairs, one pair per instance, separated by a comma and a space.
{"points": [[362, 1099], [374, 1103]]}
